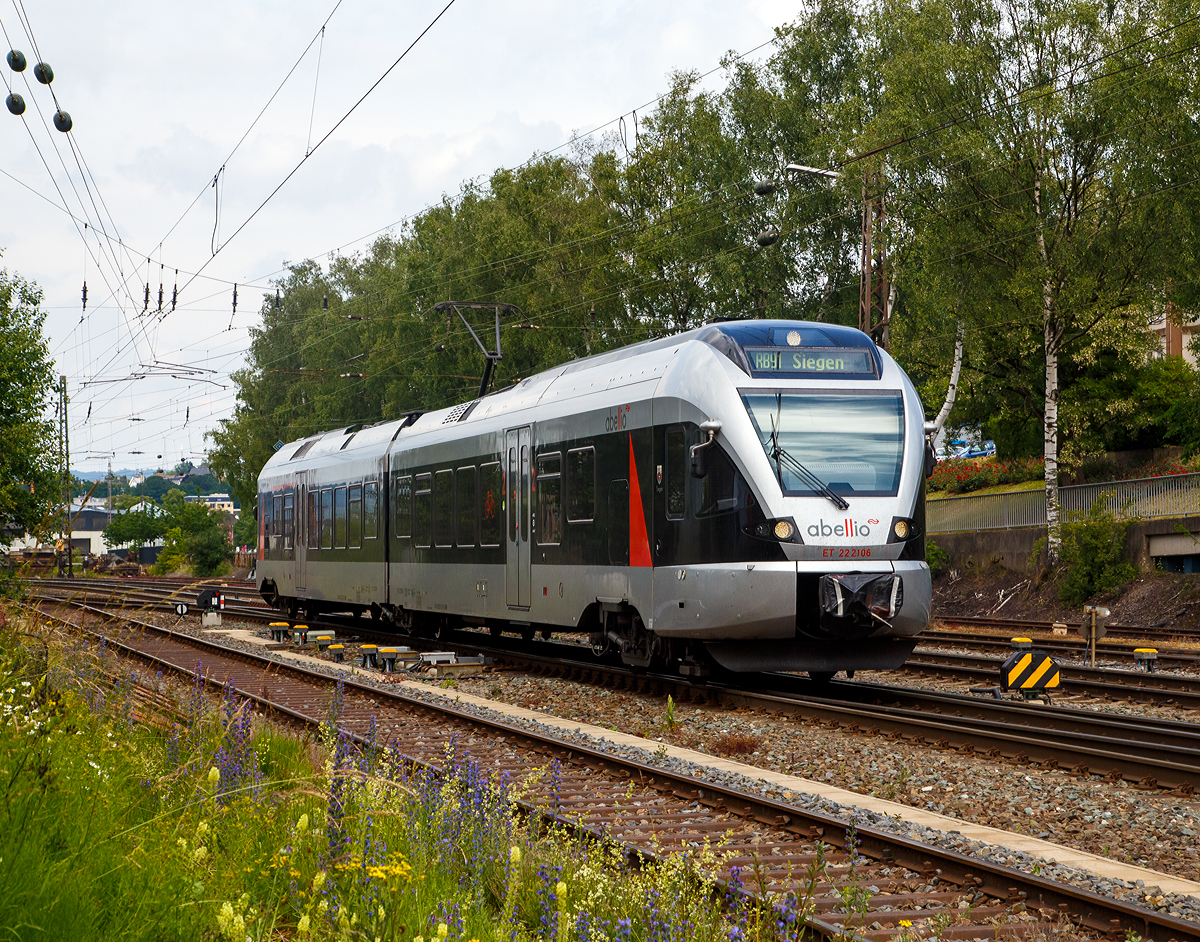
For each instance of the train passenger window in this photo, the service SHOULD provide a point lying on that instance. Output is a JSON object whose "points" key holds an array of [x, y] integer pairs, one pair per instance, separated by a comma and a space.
{"points": [[339, 518], [618, 522], [276, 519], [718, 488], [404, 507], [423, 510], [266, 523], [443, 508], [581, 485], [327, 518], [370, 511], [354, 521], [549, 498], [491, 504], [289, 522], [677, 472], [314, 521], [464, 507]]}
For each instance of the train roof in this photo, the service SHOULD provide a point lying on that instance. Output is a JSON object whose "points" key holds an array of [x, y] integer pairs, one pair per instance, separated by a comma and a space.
{"points": [[730, 338]]}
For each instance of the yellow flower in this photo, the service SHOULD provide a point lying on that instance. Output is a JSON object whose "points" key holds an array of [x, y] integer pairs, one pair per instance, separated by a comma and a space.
{"points": [[302, 925], [322, 906], [906, 923], [514, 855], [214, 775], [199, 854], [201, 828], [318, 880], [443, 930], [560, 889], [302, 824]]}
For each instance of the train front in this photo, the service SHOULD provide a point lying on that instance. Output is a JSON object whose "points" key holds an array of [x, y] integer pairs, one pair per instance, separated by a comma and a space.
{"points": [[829, 433]]}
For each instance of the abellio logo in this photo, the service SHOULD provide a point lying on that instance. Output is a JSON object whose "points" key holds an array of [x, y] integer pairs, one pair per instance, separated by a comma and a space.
{"points": [[847, 527]]}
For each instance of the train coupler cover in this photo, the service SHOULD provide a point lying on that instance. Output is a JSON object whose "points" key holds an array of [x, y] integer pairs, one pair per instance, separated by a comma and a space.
{"points": [[860, 595]]}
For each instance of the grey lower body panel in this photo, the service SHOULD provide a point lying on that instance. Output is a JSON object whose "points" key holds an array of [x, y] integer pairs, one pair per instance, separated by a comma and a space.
{"points": [[816, 656]]}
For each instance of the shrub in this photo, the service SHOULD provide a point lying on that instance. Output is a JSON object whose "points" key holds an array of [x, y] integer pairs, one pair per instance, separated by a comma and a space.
{"points": [[1092, 549], [1160, 469], [937, 557], [963, 475]]}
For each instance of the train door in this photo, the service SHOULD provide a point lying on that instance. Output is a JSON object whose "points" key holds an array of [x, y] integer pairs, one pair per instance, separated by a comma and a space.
{"points": [[303, 520], [516, 481]]}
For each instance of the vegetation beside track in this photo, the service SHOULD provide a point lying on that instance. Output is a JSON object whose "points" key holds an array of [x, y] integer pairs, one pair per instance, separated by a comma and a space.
{"points": [[166, 814]]}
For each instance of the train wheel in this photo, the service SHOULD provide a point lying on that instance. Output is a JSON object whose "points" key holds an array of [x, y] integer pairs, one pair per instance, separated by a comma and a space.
{"points": [[821, 677], [496, 631], [546, 634], [527, 634]]}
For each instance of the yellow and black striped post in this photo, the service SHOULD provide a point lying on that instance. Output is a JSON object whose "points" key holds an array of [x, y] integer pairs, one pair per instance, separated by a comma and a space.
{"points": [[1030, 672]]}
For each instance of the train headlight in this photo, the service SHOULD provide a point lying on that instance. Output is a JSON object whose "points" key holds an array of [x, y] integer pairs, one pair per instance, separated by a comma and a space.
{"points": [[784, 530], [901, 529]]}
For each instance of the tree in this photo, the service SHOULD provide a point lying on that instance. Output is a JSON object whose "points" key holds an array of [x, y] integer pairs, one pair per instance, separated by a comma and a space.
{"points": [[135, 528], [1036, 186], [29, 480]]}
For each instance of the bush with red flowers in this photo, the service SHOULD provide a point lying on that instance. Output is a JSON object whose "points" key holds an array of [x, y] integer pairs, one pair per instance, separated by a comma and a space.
{"points": [[963, 475]]}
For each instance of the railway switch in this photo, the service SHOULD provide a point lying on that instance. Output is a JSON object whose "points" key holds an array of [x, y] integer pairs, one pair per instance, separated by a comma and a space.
{"points": [[1147, 658], [1031, 674], [338, 651], [370, 655], [279, 630]]}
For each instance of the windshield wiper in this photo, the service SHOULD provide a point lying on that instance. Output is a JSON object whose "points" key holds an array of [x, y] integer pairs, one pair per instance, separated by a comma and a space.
{"points": [[781, 457]]}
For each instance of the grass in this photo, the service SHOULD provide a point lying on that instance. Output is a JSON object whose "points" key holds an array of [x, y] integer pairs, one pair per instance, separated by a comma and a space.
{"points": [[994, 489], [198, 820]]}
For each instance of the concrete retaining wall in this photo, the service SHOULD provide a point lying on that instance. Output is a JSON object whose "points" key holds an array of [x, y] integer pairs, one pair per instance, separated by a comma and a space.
{"points": [[982, 549]]}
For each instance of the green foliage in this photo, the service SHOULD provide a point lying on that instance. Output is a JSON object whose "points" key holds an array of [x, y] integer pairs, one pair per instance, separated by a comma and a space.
{"points": [[135, 528], [192, 533], [155, 488], [29, 482], [937, 557], [1093, 554]]}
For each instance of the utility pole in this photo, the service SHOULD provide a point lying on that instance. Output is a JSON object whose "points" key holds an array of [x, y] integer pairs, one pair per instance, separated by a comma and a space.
{"points": [[873, 299], [64, 443]]}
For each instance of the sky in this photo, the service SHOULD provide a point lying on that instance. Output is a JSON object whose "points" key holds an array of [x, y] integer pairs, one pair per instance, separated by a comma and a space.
{"points": [[161, 98]]}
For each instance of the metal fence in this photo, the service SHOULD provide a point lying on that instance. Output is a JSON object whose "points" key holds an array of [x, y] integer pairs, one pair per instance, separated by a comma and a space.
{"points": [[1170, 496]]}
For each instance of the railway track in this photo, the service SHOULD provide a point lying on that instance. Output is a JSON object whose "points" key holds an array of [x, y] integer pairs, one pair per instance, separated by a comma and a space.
{"points": [[1103, 683], [653, 810], [1155, 633], [1151, 753], [1075, 650]]}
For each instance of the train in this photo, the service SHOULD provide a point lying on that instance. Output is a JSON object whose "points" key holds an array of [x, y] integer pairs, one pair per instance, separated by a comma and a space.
{"points": [[745, 496]]}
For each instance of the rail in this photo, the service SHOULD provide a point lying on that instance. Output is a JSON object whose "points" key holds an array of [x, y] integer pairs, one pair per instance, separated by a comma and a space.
{"points": [[1175, 495]]}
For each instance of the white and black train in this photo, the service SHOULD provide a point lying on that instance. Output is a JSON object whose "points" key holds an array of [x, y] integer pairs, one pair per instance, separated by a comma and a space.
{"points": [[750, 493]]}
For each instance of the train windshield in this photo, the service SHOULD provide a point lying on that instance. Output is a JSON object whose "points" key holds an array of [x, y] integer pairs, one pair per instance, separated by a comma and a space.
{"points": [[852, 442]]}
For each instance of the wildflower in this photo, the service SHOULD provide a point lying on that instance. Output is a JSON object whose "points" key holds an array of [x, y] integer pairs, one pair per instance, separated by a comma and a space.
{"points": [[225, 916], [302, 824], [322, 906], [181, 844], [906, 923], [199, 854], [201, 828], [214, 775], [302, 925], [560, 890], [514, 855], [318, 880], [443, 930]]}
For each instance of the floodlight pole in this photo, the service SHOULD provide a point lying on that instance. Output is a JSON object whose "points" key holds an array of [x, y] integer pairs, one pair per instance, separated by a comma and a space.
{"points": [[491, 359]]}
